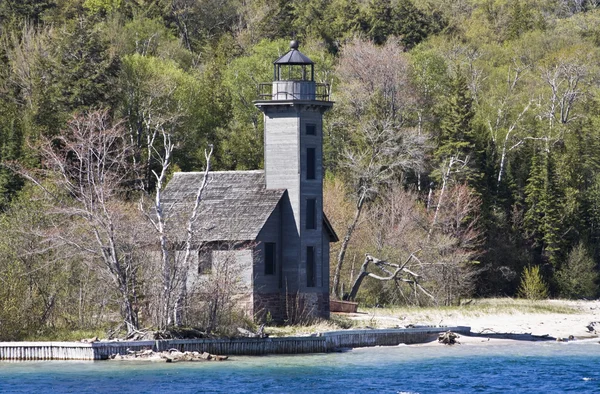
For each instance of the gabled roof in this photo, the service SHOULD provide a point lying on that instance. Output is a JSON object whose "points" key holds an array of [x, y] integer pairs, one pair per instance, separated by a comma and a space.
{"points": [[293, 57], [235, 204]]}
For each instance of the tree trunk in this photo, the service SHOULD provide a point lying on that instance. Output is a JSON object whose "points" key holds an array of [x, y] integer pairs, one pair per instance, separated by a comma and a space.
{"points": [[359, 278], [178, 308], [344, 247]]}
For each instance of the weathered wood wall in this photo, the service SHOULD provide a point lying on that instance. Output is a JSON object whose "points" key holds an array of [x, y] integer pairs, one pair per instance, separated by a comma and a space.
{"points": [[46, 351], [319, 343]]}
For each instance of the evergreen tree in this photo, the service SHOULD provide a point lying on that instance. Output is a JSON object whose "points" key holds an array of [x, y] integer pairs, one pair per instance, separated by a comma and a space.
{"points": [[578, 277], [457, 136], [520, 20], [553, 224], [536, 199], [11, 144], [413, 25], [379, 17], [544, 219]]}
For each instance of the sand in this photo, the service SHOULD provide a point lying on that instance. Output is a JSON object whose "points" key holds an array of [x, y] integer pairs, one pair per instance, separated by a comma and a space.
{"points": [[573, 322]]}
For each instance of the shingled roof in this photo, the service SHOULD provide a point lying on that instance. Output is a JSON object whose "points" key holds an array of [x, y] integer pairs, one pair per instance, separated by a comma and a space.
{"points": [[235, 204]]}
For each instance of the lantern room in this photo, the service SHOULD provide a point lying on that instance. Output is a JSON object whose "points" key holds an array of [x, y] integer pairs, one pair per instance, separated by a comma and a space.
{"points": [[293, 79], [294, 66]]}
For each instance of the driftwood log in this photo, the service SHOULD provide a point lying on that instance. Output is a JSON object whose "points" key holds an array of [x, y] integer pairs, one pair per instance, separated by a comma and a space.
{"points": [[448, 338]]}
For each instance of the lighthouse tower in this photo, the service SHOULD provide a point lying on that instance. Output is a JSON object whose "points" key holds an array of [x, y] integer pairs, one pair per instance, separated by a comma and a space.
{"points": [[293, 106]]}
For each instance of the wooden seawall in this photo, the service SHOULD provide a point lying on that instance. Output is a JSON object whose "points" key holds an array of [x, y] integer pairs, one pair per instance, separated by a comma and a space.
{"points": [[318, 343]]}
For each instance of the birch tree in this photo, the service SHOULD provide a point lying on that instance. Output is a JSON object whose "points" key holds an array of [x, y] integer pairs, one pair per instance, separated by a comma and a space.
{"points": [[174, 268], [92, 162]]}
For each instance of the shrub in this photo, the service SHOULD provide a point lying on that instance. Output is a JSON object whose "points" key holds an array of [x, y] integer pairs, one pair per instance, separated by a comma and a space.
{"points": [[532, 285], [578, 276]]}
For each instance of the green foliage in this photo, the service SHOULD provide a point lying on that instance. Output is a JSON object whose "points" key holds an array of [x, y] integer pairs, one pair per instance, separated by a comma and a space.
{"points": [[101, 6], [14, 13], [41, 287], [240, 79], [532, 285], [537, 198], [456, 137], [578, 277], [402, 18], [11, 145], [380, 20]]}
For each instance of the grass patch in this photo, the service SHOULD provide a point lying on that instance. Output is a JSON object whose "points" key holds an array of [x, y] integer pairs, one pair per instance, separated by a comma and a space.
{"points": [[477, 307], [336, 322]]}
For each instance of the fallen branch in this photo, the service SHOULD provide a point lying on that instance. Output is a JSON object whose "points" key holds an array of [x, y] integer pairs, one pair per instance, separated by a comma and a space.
{"points": [[398, 269]]}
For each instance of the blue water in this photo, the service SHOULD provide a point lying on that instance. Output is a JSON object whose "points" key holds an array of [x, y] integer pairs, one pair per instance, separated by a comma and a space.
{"points": [[472, 368]]}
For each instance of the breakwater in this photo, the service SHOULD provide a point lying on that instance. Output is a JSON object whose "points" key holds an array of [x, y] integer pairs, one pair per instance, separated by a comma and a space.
{"points": [[316, 343]]}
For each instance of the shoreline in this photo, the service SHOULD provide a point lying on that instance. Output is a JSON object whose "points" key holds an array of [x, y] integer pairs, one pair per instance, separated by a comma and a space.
{"points": [[325, 342], [555, 318], [481, 322]]}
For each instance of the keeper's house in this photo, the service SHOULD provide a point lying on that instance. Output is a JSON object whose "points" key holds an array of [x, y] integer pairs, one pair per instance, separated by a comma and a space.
{"points": [[274, 218]]}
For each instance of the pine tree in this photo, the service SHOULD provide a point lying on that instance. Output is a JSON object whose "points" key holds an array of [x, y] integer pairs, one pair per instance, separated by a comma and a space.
{"points": [[457, 137], [545, 201], [536, 198], [380, 20], [412, 25], [553, 226]]}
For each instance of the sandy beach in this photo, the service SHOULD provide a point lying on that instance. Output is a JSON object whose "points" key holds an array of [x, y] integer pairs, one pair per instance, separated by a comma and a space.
{"points": [[555, 318]]}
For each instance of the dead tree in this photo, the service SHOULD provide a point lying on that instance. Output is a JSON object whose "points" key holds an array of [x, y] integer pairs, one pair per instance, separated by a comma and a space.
{"points": [[174, 273], [189, 241], [392, 271]]}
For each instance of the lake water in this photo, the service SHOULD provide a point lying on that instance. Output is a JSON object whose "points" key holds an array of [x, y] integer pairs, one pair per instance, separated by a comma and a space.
{"points": [[548, 367]]}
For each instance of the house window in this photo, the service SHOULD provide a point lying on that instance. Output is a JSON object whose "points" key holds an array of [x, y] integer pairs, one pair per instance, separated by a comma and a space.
{"points": [[311, 129], [310, 266], [204, 262], [311, 214], [311, 163], [270, 258]]}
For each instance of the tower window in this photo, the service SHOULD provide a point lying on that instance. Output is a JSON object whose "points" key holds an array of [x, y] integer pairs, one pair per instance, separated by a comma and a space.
{"points": [[270, 258], [311, 163], [310, 266], [311, 129], [311, 214]]}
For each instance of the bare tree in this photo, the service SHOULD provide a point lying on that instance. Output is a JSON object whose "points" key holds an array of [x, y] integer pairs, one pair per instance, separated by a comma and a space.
{"points": [[398, 223], [219, 292], [375, 98], [174, 266], [91, 162], [191, 224]]}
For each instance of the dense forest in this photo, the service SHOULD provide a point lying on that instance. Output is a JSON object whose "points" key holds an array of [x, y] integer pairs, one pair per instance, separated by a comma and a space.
{"points": [[464, 141]]}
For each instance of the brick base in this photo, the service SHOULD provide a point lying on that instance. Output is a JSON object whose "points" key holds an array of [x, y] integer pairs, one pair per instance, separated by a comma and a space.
{"points": [[292, 308]]}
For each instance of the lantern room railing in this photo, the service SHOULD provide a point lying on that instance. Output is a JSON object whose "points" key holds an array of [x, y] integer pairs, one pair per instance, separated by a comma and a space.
{"points": [[293, 90]]}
